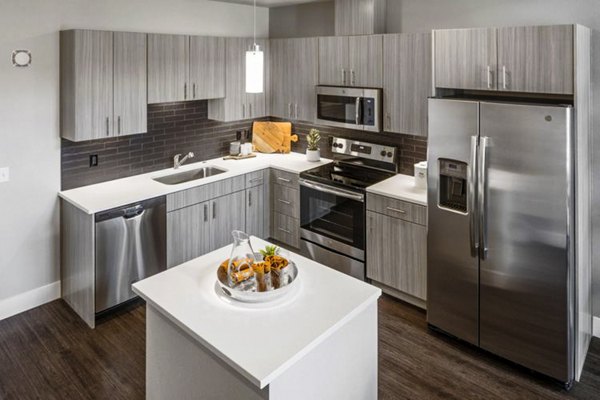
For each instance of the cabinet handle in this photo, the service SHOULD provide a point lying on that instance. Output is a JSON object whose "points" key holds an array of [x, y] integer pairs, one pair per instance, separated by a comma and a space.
{"points": [[107, 128], [194, 90], [243, 111], [250, 110], [255, 180], [214, 210], [388, 118], [352, 78], [296, 110], [185, 91], [396, 210], [284, 230], [343, 76], [119, 124], [284, 202], [283, 179], [504, 77], [290, 110], [489, 77], [249, 199], [205, 212]]}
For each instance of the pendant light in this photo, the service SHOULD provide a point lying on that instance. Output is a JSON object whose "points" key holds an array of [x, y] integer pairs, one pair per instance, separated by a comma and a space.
{"points": [[254, 65]]}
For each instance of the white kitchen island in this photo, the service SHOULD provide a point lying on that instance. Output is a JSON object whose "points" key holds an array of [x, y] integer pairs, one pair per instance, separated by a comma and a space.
{"points": [[318, 343]]}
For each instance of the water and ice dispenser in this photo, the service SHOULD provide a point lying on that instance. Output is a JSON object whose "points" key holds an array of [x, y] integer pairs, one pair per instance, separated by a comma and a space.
{"points": [[453, 185]]}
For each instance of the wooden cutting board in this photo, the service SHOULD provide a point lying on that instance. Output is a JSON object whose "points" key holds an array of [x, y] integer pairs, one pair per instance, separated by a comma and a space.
{"points": [[272, 137]]}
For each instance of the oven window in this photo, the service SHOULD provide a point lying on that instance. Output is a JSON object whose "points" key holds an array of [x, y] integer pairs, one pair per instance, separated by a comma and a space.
{"points": [[333, 216], [337, 108]]}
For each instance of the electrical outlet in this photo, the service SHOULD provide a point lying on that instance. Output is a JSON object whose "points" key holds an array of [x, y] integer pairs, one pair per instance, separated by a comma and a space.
{"points": [[93, 160], [4, 174]]}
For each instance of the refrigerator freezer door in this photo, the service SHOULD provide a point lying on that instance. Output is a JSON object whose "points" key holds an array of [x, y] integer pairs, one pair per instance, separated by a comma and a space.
{"points": [[452, 266], [526, 273]]}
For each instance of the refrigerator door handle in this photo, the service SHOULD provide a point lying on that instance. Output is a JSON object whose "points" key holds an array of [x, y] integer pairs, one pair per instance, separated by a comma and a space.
{"points": [[472, 200], [482, 190]]}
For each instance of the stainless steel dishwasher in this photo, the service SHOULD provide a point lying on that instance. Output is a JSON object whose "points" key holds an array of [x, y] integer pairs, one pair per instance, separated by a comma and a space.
{"points": [[130, 246]]}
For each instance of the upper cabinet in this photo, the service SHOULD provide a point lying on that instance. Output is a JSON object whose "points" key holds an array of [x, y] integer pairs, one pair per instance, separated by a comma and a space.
{"points": [[359, 17], [351, 61], [536, 59], [103, 84], [465, 58], [294, 75], [406, 82], [237, 104], [185, 68], [523, 59]]}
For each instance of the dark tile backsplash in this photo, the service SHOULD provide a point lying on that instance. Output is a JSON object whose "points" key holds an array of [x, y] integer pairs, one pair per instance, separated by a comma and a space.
{"points": [[182, 127]]}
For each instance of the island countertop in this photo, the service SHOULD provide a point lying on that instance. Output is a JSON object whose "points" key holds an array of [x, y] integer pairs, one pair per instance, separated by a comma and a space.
{"points": [[259, 342]]}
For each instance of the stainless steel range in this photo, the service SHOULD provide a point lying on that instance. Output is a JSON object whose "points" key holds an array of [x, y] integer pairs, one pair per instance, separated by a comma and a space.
{"points": [[332, 201]]}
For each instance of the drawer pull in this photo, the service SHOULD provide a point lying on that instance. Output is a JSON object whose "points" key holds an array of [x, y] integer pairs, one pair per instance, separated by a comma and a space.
{"points": [[285, 202], [283, 179], [255, 180], [396, 210], [284, 230]]}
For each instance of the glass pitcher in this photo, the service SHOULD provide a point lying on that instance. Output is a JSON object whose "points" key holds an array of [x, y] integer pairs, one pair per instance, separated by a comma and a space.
{"points": [[240, 274]]}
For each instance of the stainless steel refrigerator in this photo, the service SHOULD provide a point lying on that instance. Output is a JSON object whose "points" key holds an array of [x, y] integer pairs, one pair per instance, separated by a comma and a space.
{"points": [[501, 230]]}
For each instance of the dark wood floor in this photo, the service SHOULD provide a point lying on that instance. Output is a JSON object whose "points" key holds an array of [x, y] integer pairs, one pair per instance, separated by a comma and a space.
{"points": [[48, 353]]}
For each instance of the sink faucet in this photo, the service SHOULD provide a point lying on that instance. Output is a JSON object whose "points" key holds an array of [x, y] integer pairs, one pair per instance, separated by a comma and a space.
{"points": [[178, 163]]}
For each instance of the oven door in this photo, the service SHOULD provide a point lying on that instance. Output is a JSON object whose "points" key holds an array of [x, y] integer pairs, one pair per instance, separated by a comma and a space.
{"points": [[333, 218], [340, 107]]}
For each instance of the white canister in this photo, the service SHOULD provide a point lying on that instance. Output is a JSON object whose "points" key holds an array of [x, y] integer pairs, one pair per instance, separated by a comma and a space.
{"points": [[421, 175]]}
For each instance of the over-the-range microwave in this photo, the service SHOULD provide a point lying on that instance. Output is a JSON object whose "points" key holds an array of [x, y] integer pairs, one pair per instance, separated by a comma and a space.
{"points": [[349, 107]]}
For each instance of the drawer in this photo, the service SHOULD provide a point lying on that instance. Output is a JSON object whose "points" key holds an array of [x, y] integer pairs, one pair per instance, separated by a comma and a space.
{"points": [[284, 178], [397, 208], [256, 178], [205, 192], [286, 201], [286, 230]]}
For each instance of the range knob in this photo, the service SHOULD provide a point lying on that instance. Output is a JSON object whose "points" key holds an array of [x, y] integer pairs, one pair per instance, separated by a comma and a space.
{"points": [[389, 154], [383, 153]]}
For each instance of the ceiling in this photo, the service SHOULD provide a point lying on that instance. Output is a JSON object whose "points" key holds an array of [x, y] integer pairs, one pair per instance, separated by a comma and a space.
{"points": [[270, 3]]}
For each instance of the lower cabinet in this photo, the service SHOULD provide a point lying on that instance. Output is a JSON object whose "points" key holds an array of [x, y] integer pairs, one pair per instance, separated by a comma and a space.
{"points": [[258, 209], [397, 256], [200, 228], [285, 204]]}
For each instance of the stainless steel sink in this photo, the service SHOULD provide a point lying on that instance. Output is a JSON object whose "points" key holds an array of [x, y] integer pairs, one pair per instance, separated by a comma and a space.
{"points": [[190, 175]]}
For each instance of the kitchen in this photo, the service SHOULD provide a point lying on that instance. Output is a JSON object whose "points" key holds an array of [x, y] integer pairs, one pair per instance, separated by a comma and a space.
{"points": [[306, 48]]}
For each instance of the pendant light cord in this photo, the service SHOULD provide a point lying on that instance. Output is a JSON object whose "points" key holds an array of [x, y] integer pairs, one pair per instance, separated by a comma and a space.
{"points": [[255, 24]]}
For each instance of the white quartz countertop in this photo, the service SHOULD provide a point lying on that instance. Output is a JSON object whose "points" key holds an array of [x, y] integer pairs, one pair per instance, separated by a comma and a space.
{"points": [[401, 187], [258, 342], [116, 193]]}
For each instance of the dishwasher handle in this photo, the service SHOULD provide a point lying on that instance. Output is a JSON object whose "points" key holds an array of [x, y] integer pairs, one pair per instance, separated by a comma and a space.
{"points": [[133, 212]]}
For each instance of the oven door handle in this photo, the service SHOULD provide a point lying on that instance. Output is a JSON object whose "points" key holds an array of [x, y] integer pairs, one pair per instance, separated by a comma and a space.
{"points": [[331, 190], [357, 112]]}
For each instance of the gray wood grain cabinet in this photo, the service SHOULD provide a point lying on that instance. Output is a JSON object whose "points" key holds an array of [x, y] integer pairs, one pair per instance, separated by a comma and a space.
{"points": [[536, 59], [285, 205], [406, 82], [258, 210], [237, 104], [168, 70], [207, 67], [359, 17], [351, 61], [103, 84], [397, 248], [465, 58], [294, 75]]}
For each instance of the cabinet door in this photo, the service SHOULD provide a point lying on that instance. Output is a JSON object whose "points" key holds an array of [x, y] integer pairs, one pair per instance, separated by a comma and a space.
{"points": [[207, 67], [168, 61], [406, 82], [280, 78], [130, 83], [365, 61], [536, 59], [465, 58], [86, 84], [255, 211], [396, 254], [305, 59], [333, 61], [227, 213], [188, 233], [256, 103]]}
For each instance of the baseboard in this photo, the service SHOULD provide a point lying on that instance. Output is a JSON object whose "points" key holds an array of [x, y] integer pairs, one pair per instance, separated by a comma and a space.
{"points": [[596, 327], [28, 300]]}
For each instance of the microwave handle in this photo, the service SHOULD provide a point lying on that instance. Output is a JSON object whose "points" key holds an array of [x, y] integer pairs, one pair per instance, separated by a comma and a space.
{"points": [[357, 113]]}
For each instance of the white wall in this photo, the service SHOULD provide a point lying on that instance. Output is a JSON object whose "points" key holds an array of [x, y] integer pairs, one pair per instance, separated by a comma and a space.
{"points": [[29, 115]]}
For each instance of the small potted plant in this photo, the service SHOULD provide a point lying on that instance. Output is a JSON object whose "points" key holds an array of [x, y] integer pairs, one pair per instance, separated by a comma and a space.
{"points": [[312, 151]]}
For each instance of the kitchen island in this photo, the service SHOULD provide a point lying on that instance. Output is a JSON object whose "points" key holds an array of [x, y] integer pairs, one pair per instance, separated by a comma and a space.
{"points": [[320, 342]]}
